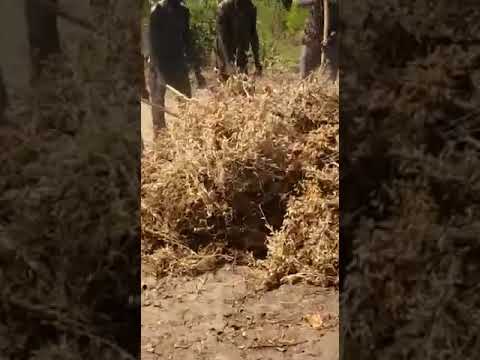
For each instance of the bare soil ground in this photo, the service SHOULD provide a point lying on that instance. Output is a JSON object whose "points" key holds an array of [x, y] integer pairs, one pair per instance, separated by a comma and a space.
{"points": [[221, 316]]}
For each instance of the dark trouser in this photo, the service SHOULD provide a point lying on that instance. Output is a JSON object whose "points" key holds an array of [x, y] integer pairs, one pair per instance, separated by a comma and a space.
{"points": [[237, 56], [310, 59], [312, 56], [242, 60], [157, 81], [331, 55]]}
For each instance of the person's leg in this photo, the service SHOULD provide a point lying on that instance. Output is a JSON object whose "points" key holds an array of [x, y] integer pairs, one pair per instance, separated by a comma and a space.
{"points": [[221, 63], [222, 68], [331, 54], [303, 62], [242, 61], [157, 98], [180, 81], [184, 83], [310, 59], [146, 85]]}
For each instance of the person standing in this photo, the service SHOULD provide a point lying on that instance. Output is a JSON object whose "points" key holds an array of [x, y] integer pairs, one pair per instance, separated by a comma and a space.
{"points": [[172, 53], [313, 42], [236, 33]]}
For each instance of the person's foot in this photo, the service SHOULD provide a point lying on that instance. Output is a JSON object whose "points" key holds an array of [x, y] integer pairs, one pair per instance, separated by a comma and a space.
{"points": [[222, 77]]}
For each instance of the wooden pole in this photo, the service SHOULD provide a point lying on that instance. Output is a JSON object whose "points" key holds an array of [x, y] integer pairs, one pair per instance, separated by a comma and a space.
{"points": [[326, 26], [162, 108]]}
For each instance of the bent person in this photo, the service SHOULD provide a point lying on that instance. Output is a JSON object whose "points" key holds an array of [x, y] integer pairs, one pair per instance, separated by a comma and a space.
{"points": [[236, 34]]}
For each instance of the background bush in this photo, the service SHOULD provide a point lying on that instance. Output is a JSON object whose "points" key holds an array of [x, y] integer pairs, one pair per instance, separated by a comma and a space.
{"points": [[203, 26]]}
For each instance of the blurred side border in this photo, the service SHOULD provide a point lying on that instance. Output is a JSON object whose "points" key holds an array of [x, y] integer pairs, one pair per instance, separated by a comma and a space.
{"points": [[70, 177], [409, 134]]}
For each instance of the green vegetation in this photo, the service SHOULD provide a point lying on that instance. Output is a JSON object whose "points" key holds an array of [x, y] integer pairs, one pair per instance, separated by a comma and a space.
{"points": [[295, 19], [203, 25], [279, 31], [145, 8]]}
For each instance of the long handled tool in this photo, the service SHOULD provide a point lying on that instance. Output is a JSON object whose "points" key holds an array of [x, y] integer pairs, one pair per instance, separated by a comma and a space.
{"points": [[159, 107], [326, 26]]}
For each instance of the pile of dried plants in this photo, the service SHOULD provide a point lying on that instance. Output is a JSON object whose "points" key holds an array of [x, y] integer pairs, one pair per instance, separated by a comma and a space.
{"points": [[252, 168]]}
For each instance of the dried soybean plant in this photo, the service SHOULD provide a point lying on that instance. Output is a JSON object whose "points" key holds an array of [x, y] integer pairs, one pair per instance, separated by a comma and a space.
{"points": [[241, 172]]}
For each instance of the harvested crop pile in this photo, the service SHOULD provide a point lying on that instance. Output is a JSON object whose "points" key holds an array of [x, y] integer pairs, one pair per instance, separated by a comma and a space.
{"points": [[252, 170], [413, 224]]}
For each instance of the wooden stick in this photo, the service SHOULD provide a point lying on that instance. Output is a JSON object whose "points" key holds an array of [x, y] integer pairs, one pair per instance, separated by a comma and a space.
{"points": [[159, 107], [178, 93], [185, 97], [326, 26]]}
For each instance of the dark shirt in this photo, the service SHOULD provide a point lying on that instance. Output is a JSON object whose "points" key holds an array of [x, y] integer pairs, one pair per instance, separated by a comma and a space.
{"points": [[171, 44], [237, 26]]}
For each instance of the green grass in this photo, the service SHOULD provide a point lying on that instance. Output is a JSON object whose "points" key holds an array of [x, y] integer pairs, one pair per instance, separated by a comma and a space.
{"points": [[288, 53], [279, 31]]}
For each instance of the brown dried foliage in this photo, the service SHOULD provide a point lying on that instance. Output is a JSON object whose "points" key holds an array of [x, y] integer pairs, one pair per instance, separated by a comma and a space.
{"points": [[251, 169]]}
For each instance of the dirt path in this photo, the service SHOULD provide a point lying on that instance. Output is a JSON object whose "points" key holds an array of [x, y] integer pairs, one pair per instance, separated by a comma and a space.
{"points": [[220, 317]]}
